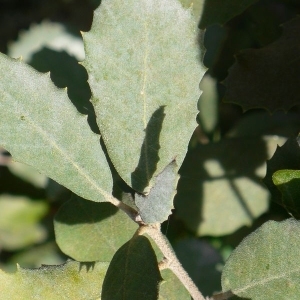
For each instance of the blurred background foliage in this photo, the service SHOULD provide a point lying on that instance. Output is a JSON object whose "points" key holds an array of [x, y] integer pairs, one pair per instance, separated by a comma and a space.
{"points": [[221, 197]]}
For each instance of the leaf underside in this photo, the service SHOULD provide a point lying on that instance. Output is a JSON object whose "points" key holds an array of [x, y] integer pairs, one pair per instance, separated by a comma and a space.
{"points": [[144, 73], [89, 231], [265, 266], [41, 127]]}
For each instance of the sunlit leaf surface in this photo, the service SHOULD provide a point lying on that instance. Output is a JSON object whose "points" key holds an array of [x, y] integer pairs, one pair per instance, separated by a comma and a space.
{"points": [[265, 265], [144, 72]]}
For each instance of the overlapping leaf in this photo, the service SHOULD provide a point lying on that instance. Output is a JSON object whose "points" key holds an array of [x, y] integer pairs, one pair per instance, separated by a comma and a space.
{"points": [[144, 73], [266, 264], [71, 280], [40, 127], [133, 272], [88, 231], [157, 205]]}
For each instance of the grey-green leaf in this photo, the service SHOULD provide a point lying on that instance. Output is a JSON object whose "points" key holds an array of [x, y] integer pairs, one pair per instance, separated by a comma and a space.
{"points": [[156, 207], [133, 272], [144, 72], [89, 231], [71, 280], [265, 266], [41, 127]]}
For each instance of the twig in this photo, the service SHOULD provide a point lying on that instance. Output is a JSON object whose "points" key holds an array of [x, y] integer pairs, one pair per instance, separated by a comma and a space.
{"points": [[171, 261]]}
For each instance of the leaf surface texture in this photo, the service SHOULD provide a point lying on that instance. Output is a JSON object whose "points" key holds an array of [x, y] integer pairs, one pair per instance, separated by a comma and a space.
{"points": [[144, 72], [42, 128]]}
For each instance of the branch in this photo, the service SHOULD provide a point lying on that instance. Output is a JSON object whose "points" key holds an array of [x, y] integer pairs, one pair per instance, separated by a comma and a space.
{"points": [[171, 261]]}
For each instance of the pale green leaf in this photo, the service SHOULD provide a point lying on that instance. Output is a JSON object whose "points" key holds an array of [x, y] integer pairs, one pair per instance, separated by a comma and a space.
{"points": [[265, 266], [157, 205], [89, 231], [144, 72], [171, 287], [19, 222], [48, 34], [40, 127], [133, 272], [70, 281], [28, 174]]}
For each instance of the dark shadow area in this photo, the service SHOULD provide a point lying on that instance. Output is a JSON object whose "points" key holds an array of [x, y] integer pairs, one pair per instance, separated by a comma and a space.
{"points": [[66, 72], [87, 265], [11, 184], [200, 260], [119, 185], [80, 211], [149, 158]]}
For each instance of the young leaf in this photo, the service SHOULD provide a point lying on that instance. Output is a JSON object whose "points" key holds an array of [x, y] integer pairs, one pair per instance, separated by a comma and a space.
{"points": [[266, 264], [156, 207], [40, 127], [88, 231], [267, 77], [71, 280], [144, 72], [133, 272], [286, 157]]}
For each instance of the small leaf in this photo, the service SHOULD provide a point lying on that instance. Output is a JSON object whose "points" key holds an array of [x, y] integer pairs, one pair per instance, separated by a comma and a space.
{"points": [[156, 207], [133, 272], [88, 231], [266, 264], [71, 280], [19, 218], [144, 72], [40, 127], [257, 78], [288, 183], [286, 157]]}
